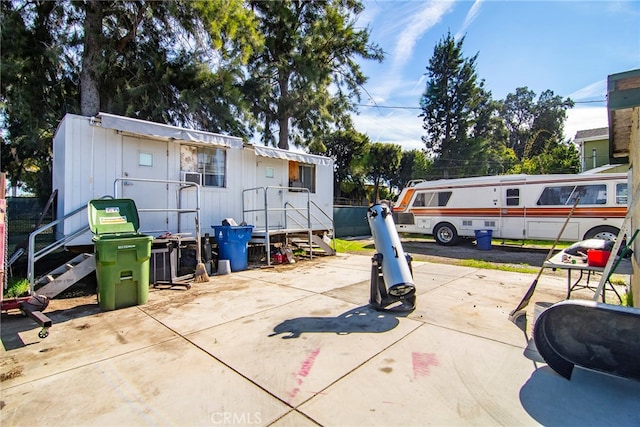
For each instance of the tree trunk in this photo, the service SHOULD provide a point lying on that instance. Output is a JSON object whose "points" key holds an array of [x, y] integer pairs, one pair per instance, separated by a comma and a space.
{"points": [[283, 133], [89, 88], [283, 110]]}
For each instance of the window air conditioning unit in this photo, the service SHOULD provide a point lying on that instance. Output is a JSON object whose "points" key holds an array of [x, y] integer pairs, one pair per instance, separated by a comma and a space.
{"points": [[194, 177]]}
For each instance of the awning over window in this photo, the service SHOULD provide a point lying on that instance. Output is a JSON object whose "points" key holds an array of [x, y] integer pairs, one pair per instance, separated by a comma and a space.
{"points": [[278, 153], [159, 130]]}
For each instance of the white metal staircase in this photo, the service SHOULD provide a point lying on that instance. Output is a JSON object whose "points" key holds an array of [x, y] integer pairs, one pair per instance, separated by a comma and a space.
{"points": [[319, 245], [60, 279], [308, 228]]}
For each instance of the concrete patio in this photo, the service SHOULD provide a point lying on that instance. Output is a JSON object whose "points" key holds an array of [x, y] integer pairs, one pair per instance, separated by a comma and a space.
{"points": [[297, 345]]}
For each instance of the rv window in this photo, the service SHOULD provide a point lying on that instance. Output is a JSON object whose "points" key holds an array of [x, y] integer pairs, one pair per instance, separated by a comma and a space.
{"points": [[212, 165], [589, 195], [443, 198], [419, 201], [621, 194], [432, 199], [513, 196], [567, 194]]}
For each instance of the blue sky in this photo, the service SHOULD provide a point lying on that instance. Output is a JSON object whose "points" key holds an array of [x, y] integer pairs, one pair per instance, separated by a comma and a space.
{"points": [[569, 47]]}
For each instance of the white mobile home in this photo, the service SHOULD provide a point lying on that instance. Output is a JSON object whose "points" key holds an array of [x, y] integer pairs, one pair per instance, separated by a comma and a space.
{"points": [[158, 166]]}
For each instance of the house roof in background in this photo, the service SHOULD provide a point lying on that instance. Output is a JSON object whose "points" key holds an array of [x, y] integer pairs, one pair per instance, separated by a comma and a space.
{"points": [[598, 133]]}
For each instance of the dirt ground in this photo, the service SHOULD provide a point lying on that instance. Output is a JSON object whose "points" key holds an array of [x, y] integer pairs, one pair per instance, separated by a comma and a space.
{"points": [[426, 249], [466, 249]]}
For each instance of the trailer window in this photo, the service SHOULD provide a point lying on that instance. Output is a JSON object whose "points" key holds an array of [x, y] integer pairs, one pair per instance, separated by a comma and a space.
{"points": [[302, 175], [621, 194], [567, 194], [433, 199], [513, 196], [211, 163], [206, 166]]}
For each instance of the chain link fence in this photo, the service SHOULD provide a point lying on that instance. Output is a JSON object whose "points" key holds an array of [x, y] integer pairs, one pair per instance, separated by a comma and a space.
{"points": [[23, 215]]}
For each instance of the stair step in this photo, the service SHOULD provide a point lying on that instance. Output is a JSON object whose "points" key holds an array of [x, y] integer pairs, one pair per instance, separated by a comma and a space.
{"points": [[55, 285]]}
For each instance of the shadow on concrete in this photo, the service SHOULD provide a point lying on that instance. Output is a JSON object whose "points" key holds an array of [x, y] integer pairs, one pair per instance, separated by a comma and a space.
{"points": [[14, 323], [363, 319], [585, 400]]}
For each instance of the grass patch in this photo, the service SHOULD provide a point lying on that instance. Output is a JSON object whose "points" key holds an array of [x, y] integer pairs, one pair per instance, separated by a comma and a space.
{"points": [[497, 266], [354, 246], [17, 288], [527, 243], [627, 299]]}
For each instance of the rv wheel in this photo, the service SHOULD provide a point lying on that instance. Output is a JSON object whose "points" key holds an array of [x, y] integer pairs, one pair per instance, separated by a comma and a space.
{"points": [[445, 234], [605, 232]]}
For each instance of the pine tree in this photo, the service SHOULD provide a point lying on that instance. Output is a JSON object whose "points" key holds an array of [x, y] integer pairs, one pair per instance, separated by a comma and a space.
{"points": [[451, 106], [309, 47]]}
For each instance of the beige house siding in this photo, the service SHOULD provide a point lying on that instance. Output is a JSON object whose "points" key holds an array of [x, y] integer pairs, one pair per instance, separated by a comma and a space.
{"points": [[623, 104]]}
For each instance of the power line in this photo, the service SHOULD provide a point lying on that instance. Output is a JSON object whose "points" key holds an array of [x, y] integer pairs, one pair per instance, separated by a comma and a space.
{"points": [[399, 107], [396, 107]]}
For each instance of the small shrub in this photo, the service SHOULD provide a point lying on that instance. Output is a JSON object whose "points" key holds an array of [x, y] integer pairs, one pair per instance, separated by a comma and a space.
{"points": [[17, 288]]}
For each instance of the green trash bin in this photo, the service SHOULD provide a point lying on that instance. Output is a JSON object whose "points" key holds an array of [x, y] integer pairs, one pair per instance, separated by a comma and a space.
{"points": [[122, 254]]}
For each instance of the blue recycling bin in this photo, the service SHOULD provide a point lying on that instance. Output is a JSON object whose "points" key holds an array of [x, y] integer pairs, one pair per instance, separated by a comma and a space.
{"points": [[483, 239], [233, 241]]}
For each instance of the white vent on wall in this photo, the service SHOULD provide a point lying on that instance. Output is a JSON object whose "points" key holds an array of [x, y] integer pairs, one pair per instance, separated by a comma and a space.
{"points": [[192, 177]]}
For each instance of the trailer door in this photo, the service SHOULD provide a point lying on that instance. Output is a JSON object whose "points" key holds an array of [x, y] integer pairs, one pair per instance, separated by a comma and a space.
{"points": [[512, 211], [146, 159]]}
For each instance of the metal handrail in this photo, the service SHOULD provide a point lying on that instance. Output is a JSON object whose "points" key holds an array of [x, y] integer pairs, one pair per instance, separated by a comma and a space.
{"points": [[303, 212], [33, 255], [183, 185], [332, 228], [333, 240], [299, 211]]}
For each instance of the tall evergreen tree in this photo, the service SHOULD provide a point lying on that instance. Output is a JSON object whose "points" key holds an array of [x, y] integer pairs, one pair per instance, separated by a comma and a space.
{"points": [[305, 79], [37, 87], [178, 62], [451, 105]]}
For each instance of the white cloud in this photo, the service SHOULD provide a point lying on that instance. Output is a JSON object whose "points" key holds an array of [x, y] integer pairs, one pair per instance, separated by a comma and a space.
{"points": [[404, 26], [431, 13], [471, 15], [583, 118], [596, 90], [402, 127]]}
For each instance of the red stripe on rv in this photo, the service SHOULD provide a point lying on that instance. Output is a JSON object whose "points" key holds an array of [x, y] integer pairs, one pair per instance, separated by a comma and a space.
{"points": [[587, 212]]}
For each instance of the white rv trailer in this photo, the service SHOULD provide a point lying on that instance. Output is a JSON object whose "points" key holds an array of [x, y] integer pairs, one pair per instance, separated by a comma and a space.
{"points": [[158, 166], [514, 206]]}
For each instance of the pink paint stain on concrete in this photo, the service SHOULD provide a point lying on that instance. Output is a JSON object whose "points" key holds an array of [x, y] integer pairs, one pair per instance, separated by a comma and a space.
{"points": [[306, 366], [305, 369], [422, 362]]}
